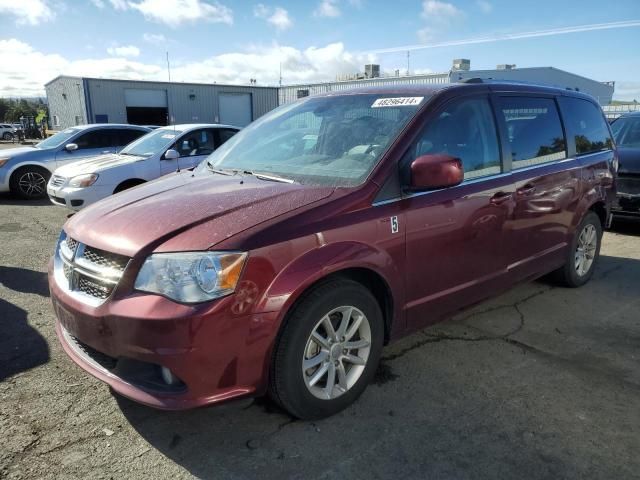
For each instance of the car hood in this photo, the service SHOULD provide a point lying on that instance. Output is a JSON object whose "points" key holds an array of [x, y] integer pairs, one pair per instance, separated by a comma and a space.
{"points": [[146, 216], [96, 164], [629, 160], [18, 151]]}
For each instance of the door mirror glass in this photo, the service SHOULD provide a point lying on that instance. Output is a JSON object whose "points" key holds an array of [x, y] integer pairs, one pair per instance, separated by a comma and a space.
{"points": [[436, 171], [171, 154], [70, 147]]}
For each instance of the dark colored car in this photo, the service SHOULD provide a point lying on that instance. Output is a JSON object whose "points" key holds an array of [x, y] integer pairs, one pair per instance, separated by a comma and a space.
{"points": [[325, 229], [626, 131]]}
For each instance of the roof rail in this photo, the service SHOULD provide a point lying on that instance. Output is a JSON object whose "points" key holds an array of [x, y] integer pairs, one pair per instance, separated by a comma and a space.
{"points": [[471, 80]]}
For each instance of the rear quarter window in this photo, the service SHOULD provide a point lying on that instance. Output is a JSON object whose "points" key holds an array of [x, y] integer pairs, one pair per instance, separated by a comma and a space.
{"points": [[534, 130], [586, 123]]}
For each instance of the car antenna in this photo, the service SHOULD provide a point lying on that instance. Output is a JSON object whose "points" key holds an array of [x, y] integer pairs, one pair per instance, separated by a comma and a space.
{"points": [[171, 119]]}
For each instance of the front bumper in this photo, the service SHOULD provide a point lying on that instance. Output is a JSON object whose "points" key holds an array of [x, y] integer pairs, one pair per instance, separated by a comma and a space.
{"points": [[217, 355], [77, 198]]}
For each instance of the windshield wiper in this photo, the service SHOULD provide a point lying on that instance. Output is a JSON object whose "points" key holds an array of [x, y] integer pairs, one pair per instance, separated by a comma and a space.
{"points": [[267, 176], [219, 171]]}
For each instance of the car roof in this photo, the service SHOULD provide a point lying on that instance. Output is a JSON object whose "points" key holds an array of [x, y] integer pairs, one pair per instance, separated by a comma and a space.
{"points": [[191, 126], [470, 84], [630, 114], [109, 125]]}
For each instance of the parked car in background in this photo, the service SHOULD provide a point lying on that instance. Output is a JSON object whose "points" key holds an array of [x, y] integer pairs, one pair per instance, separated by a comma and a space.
{"points": [[25, 171], [626, 131], [7, 131], [162, 151], [322, 231]]}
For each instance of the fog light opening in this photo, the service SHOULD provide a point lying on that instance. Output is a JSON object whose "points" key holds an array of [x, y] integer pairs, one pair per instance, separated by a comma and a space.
{"points": [[168, 377]]}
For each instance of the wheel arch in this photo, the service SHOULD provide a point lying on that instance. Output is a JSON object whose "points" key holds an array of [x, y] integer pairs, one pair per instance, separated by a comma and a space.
{"points": [[128, 183]]}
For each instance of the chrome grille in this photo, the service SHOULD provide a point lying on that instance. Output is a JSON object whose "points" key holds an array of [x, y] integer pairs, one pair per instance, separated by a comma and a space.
{"points": [[105, 259], [93, 288], [87, 273], [57, 181]]}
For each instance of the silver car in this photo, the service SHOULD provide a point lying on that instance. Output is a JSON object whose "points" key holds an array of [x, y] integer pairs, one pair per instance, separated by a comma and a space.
{"points": [[25, 170]]}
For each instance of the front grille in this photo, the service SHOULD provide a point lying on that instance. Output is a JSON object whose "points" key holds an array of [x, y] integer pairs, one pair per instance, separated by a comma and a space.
{"points": [[93, 288], [71, 244], [105, 259], [102, 359], [87, 272], [629, 184], [57, 180]]}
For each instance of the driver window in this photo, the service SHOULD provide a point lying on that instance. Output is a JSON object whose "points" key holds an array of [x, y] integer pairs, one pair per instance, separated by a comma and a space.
{"points": [[464, 129], [198, 142]]}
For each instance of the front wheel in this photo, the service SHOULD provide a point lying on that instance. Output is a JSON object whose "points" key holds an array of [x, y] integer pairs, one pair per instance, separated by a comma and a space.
{"points": [[7, 136], [583, 253], [328, 351], [30, 182]]}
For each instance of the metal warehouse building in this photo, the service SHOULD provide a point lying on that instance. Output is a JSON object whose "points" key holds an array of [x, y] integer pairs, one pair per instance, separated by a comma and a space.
{"points": [[75, 100], [602, 91]]}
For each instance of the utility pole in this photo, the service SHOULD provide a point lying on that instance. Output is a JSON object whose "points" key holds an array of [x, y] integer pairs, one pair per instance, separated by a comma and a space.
{"points": [[280, 81], [408, 62]]}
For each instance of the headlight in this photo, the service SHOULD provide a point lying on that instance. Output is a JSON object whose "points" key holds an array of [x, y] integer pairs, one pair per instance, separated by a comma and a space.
{"points": [[4, 160], [85, 180], [191, 277]]}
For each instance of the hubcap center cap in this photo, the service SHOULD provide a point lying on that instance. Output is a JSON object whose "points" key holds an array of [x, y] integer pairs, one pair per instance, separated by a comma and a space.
{"points": [[336, 351]]}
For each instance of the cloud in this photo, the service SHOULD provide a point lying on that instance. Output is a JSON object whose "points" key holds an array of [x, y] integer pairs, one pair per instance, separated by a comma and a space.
{"points": [[27, 12], [27, 70], [278, 17], [124, 51], [485, 6], [98, 3], [327, 8], [178, 12], [154, 38], [439, 12], [627, 91], [119, 4]]}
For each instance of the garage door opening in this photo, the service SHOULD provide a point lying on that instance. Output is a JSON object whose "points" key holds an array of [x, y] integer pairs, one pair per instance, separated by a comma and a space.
{"points": [[146, 106], [147, 116]]}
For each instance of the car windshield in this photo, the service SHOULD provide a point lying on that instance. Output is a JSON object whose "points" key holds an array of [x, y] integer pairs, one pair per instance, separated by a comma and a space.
{"points": [[58, 139], [333, 140], [626, 131], [151, 143]]}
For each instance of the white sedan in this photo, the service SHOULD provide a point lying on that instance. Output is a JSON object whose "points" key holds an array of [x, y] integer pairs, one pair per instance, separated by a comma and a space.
{"points": [[157, 153]]}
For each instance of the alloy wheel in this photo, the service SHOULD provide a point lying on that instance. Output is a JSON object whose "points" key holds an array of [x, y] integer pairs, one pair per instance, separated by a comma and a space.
{"points": [[336, 352], [586, 249], [32, 184]]}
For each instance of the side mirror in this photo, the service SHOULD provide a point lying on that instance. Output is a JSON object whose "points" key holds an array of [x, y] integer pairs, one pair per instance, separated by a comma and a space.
{"points": [[70, 147], [436, 171], [171, 154]]}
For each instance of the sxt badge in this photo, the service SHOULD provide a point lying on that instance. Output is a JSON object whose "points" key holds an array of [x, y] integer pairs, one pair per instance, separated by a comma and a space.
{"points": [[394, 224]]}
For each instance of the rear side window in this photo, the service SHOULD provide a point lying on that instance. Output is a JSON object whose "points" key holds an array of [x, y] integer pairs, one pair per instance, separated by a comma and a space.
{"points": [[128, 135], [464, 129], [534, 129], [587, 125]]}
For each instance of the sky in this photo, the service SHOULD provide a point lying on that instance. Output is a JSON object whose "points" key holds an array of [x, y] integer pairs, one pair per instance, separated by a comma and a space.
{"points": [[227, 41]]}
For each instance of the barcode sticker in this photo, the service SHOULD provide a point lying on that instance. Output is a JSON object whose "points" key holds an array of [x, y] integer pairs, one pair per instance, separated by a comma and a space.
{"points": [[397, 102]]}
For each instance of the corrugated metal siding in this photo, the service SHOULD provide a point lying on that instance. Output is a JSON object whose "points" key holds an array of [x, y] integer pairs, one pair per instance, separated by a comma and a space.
{"points": [[67, 109], [187, 102], [545, 75], [289, 93]]}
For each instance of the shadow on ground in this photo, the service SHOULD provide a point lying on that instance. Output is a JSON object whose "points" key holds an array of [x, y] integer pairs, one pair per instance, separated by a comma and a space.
{"points": [[21, 346], [24, 280], [9, 199]]}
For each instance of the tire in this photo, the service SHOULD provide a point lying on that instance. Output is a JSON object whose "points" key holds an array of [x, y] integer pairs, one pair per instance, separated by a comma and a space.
{"points": [[574, 274], [291, 386], [29, 182], [7, 136]]}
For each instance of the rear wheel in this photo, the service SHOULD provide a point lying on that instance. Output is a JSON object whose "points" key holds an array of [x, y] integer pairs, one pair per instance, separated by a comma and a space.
{"points": [[583, 253], [30, 182], [328, 351], [7, 136]]}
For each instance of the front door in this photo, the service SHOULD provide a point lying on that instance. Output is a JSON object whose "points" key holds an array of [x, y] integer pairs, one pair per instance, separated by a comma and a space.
{"points": [[455, 237]]}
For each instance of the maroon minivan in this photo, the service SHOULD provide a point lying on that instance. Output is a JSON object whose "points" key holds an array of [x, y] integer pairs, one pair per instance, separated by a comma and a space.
{"points": [[325, 229]]}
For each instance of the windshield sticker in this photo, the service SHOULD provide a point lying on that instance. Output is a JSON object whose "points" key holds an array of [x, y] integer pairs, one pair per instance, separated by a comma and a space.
{"points": [[168, 135], [397, 102]]}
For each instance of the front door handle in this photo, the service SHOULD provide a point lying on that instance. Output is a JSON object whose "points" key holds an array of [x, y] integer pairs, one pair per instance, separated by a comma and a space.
{"points": [[527, 189], [500, 197]]}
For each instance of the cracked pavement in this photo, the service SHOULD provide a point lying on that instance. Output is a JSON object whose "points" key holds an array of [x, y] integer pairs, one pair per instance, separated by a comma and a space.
{"points": [[541, 382]]}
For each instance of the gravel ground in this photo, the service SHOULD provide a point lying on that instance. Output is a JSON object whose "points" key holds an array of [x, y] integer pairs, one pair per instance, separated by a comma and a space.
{"points": [[541, 382]]}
